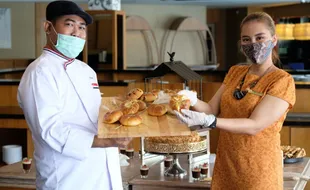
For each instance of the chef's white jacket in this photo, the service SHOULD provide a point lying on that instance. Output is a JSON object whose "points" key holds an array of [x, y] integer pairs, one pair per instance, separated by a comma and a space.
{"points": [[60, 98]]}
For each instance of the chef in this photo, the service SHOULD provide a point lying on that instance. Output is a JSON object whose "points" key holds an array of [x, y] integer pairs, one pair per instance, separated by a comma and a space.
{"points": [[60, 98]]}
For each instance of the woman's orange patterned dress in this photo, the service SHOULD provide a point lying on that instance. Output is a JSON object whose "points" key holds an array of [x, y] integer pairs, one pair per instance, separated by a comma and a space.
{"points": [[245, 161]]}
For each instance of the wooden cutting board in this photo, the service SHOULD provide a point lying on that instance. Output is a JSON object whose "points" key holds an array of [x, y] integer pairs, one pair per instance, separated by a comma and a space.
{"points": [[166, 125]]}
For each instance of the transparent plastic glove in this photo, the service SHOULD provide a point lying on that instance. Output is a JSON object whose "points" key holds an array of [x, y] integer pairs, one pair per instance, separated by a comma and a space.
{"points": [[162, 98], [192, 95], [193, 118], [123, 160]]}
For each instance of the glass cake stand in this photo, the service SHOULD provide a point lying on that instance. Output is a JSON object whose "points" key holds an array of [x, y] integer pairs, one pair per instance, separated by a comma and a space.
{"points": [[176, 170]]}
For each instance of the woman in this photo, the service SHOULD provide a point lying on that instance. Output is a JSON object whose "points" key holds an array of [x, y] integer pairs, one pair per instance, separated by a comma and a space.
{"points": [[249, 109]]}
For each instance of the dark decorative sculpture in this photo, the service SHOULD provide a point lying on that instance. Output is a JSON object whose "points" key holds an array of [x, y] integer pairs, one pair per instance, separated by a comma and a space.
{"points": [[171, 56]]}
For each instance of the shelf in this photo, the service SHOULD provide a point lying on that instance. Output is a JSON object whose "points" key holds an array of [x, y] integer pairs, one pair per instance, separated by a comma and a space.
{"points": [[107, 33], [2, 164]]}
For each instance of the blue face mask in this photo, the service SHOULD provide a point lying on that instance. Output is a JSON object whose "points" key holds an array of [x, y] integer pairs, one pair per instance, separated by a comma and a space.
{"points": [[69, 46]]}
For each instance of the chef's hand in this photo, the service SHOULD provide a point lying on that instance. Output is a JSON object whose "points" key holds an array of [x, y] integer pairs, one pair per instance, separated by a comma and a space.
{"points": [[111, 142], [192, 95], [193, 118], [122, 142]]}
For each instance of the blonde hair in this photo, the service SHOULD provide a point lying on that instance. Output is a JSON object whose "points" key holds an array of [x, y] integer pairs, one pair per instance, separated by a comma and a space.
{"points": [[265, 18]]}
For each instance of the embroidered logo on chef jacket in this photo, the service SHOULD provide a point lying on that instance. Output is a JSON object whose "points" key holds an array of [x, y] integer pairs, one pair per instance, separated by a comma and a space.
{"points": [[95, 85]]}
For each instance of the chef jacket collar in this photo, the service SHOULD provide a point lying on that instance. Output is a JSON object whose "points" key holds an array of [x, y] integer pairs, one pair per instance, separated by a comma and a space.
{"points": [[67, 60]]}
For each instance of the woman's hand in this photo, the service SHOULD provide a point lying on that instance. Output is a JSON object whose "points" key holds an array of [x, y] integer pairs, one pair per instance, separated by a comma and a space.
{"points": [[193, 118]]}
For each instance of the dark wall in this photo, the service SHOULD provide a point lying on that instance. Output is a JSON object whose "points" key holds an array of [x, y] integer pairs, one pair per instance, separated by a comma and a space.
{"points": [[292, 51], [13, 136], [234, 18]]}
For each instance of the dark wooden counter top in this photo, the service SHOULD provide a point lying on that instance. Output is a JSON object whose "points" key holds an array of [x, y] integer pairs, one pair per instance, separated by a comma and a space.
{"points": [[297, 119], [128, 70], [12, 70], [9, 81], [119, 83], [101, 82], [13, 176], [149, 69], [115, 83], [11, 112], [144, 71]]}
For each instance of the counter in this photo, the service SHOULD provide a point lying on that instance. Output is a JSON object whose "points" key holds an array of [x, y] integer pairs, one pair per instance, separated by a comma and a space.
{"points": [[12, 70], [108, 87], [148, 69], [292, 119], [156, 180], [297, 119], [139, 73], [100, 82], [13, 176]]}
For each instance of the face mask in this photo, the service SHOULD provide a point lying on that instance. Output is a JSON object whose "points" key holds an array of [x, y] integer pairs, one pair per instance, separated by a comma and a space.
{"points": [[69, 46], [258, 52]]}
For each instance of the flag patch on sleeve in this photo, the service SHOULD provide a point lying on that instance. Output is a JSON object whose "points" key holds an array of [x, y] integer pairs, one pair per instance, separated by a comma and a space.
{"points": [[95, 85]]}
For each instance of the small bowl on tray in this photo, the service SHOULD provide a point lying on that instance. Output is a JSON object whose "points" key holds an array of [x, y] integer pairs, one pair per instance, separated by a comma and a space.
{"points": [[293, 160]]}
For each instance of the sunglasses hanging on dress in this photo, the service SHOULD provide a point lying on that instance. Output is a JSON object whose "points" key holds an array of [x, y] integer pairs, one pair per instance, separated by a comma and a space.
{"points": [[239, 93]]}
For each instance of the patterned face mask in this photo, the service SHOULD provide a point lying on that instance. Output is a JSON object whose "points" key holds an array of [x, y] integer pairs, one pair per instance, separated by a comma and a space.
{"points": [[258, 52]]}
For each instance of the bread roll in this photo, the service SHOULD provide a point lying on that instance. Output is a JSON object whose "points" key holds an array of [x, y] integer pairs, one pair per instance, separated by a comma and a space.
{"points": [[176, 90], [178, 102], [170, 92], [131, 120], [142, 105], [155, 91], [129, 107], [149, 97], [112, 116], [134, 94], [156, 109]]}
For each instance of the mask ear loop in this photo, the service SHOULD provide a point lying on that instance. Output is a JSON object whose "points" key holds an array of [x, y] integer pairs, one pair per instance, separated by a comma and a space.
{"points": [[48, 33]]}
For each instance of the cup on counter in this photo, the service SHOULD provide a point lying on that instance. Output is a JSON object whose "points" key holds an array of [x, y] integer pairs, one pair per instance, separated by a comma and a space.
{"points": [[11, 154], [144, 171], [130, 152], [168, 161], [204, 169], [122, 151], [196, 173], [26, 165]]}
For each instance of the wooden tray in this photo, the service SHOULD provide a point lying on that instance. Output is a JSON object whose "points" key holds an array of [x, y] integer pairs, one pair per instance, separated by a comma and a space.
{"points": [[166, 125]]}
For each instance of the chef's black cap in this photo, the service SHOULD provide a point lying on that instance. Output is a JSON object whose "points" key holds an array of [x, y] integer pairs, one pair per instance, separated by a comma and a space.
{"points": [[59, 8]]}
